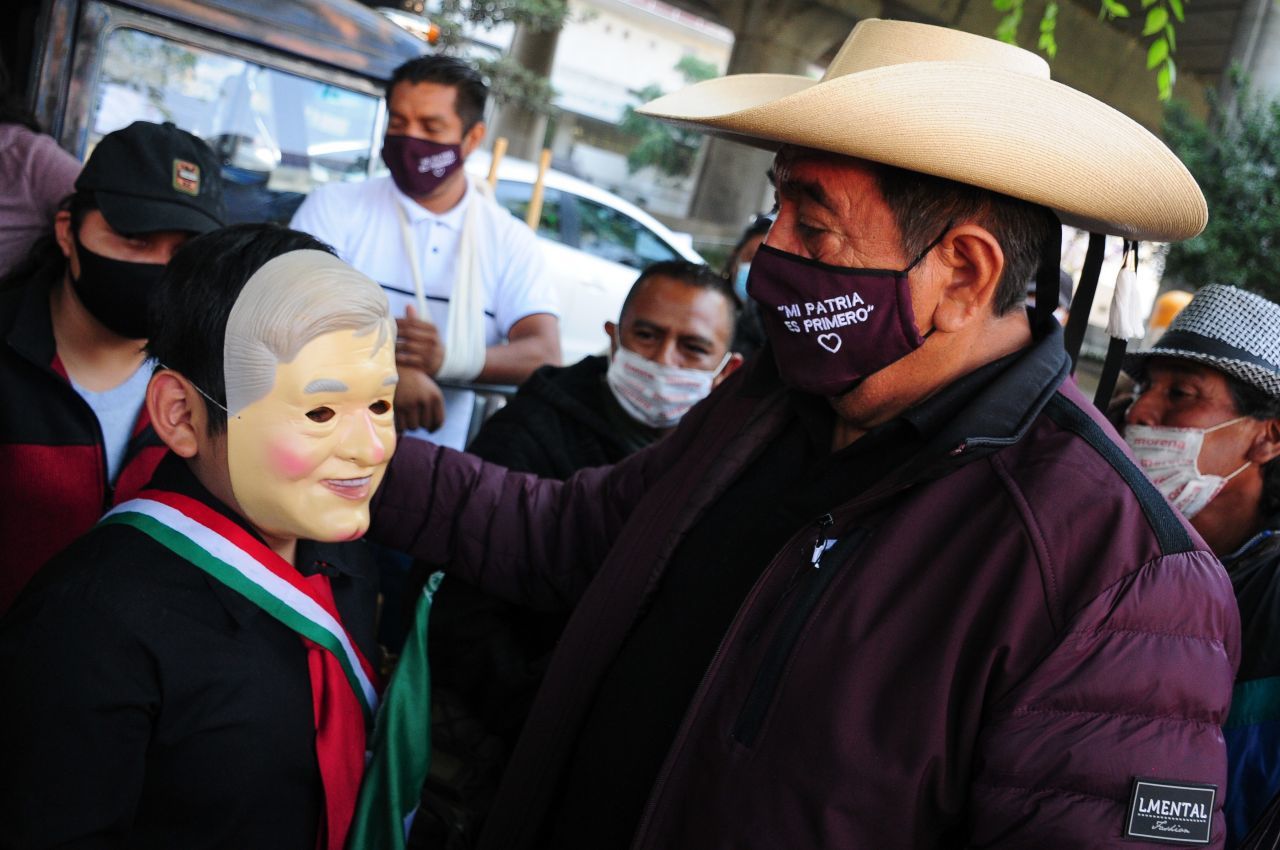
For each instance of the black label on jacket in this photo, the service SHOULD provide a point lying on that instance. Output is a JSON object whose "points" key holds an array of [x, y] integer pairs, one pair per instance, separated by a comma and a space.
{"points": [[1170, 812]]}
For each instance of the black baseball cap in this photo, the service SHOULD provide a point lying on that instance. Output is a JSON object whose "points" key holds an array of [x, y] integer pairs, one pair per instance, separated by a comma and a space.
{"points": [[149, 177]]}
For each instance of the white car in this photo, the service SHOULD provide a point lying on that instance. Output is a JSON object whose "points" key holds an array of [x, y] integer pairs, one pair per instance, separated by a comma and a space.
{"points": [[595, 244]]}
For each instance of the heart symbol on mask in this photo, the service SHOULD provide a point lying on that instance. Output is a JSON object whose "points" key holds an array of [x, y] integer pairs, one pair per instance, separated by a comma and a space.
{"points": [[831, 342]]}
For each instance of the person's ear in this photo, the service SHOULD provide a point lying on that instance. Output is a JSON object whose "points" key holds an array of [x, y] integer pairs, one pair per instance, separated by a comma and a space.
{"points": [[971, 262], [176, 413], [730, 366], [62, 233], [611, 330], [1266, 445], [472, 138]]}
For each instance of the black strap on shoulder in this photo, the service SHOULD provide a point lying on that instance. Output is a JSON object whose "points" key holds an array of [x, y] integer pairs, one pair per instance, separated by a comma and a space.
{"points": [[1170, 533], [1082, 303], [1110, 371], [1115, 349], [1049, 276]]}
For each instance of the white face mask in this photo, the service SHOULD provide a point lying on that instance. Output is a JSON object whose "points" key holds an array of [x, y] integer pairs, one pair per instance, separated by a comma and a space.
{"points": [[654, 394], [1168, 457]]}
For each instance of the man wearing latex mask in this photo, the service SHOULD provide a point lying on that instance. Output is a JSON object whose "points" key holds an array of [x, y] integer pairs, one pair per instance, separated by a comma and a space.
{"points": [[196, 671], [74, 435], [1205, 427], [435, 238], [894, 583]]}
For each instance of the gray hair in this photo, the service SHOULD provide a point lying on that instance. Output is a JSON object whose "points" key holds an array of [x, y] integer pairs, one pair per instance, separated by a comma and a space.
{"points": [[292, 300]]}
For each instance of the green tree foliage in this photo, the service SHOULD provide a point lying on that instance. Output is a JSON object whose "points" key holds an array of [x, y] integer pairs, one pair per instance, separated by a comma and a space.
{"points": [[509, 81], [539, 15], [1157, 27], [670, 150], [1235, 157]]}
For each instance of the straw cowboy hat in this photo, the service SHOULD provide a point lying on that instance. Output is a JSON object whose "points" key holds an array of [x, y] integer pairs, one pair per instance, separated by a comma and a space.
{"points": [[1233, 331], [964, 107]]}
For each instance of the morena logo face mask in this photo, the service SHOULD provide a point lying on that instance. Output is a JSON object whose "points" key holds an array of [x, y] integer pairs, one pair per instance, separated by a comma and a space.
{"points": [[1169, 458], [419, 166]]}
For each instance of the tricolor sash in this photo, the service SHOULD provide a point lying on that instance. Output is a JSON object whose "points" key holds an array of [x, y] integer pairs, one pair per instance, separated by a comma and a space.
{"points": [[232, 556]]}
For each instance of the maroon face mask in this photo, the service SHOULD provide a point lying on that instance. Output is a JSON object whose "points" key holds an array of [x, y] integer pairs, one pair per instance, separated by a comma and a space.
{"points": [[419, 166], [830, 326]]}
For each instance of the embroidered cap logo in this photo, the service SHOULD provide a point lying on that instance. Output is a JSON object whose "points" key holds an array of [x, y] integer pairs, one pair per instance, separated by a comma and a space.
{"points": [[186, 177]]}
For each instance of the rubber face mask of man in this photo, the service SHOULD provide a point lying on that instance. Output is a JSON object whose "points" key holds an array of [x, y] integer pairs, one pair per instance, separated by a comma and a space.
{"points": [[310, 428]]}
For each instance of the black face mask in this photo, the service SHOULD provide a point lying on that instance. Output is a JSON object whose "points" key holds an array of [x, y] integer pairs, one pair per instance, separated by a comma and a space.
{"points": [[115, 292]]}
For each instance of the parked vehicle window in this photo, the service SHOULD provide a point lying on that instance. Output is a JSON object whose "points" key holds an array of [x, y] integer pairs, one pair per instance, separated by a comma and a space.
{"points": [[514, 196], [279, 134], [614, 235]]}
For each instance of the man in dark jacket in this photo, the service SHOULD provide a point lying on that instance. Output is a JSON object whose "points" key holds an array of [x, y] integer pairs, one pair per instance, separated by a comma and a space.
{"points": [[895, 584], [196, 670], [74, 438], [678, 316], [1205, 426], [669, 347]]}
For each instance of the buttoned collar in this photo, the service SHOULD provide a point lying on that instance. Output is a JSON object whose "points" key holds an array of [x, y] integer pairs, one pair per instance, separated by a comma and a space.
{"points": [[418, 214]]}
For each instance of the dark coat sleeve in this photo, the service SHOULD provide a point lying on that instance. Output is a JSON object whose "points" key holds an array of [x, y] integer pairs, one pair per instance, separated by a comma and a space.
{"points": [[1138, 686], [532, 541], [508, 440], [74, 725]]}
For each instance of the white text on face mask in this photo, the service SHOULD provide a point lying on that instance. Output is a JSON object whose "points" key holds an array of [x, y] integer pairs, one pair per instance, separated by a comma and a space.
{"points": [[1169, 458]]}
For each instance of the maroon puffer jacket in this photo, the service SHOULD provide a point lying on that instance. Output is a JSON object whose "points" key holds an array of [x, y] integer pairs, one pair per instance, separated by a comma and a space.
{"points": [[1009, 633]]}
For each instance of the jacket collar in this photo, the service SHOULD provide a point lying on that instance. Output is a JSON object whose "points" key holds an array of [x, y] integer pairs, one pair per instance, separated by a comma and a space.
{"points": [[971, 418], [30, 332], [1266, 539], [990, 408]]}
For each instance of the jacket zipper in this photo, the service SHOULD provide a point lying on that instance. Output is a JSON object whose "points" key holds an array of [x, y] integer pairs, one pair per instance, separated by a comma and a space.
{"points": [[816, 580], [655, 795], [820, 548], [104, 481]]}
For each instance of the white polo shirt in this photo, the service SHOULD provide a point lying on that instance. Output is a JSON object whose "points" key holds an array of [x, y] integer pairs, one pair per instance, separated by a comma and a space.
{"points": [[360, 221]]}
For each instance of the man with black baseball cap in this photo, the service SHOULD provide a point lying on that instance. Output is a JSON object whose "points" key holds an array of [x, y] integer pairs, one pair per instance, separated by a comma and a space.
{"points": [[74, 438]]}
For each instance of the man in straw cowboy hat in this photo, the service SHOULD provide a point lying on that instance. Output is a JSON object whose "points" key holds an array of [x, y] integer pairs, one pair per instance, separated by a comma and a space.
{"points": [[894, 583]]}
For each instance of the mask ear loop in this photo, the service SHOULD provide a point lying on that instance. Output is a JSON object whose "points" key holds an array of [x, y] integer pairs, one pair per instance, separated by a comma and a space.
{"points": [[934, 244], [723, 362], [207, 397], [919, 259]]}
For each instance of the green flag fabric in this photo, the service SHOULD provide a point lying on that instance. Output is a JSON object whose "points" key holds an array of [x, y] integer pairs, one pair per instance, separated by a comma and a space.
{"points": [[401, 751]]}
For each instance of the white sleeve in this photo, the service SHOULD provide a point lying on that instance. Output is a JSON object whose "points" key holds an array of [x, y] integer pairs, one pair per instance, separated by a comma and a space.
{"points": [[315, 216], [525, 286]]}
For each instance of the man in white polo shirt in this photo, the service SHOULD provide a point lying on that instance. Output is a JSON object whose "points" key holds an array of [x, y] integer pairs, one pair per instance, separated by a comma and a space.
{"points": [[435, 240]]}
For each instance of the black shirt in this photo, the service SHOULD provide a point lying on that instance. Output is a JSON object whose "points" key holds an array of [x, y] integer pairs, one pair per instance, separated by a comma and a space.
{"points": [[147, 705], [645, 694]]}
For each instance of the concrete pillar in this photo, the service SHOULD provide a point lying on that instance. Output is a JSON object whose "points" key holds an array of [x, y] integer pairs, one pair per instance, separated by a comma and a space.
{"points": [[524, 128], [769, 37], [1255, 46]]}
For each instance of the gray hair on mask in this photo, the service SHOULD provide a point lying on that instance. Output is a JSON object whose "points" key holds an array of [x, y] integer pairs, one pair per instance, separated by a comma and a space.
{"points": [[294, 299]]}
